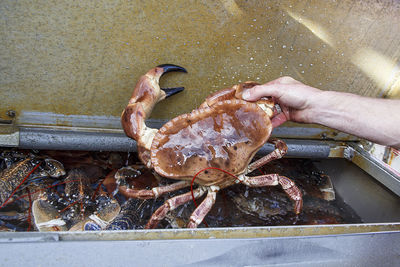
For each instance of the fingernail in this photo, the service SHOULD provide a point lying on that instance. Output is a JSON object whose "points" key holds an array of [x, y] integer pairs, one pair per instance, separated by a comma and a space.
{"points": [[246, 94]]}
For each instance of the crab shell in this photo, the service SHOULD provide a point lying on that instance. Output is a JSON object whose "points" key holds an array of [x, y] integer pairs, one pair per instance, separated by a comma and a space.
{"points": [[224, 132]]}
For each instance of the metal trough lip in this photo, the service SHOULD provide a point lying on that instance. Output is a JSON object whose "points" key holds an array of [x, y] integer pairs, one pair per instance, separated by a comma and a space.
{"points": [[202, 233], [361, 249]]}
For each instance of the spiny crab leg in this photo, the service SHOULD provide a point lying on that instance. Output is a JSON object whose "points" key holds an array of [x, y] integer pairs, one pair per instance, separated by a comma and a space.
{"points": [[204, 208], [153, 193], [172, 204], [288, 186], [279, 151]]}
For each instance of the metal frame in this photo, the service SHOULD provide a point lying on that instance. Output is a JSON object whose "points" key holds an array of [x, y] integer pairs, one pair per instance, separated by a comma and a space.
{"points": [[371, 249]]}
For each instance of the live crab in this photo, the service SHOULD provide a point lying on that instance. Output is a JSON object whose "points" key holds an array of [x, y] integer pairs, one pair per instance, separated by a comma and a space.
{"points": [[225, 132]]}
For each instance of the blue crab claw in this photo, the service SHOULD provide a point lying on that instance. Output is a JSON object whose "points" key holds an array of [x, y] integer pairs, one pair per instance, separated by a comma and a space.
{"points": [[168, 68]]}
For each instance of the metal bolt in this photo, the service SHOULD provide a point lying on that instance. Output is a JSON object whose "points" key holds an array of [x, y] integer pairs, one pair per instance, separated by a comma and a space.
{"points": [[11, 113]]}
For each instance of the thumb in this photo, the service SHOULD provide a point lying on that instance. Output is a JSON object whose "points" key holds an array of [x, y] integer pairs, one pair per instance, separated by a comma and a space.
{"points": [[259, 91], [271, 88]]}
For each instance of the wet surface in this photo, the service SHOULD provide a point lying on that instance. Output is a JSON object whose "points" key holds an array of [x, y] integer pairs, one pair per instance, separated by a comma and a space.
{"points": [[86, 57], [237, 205]]}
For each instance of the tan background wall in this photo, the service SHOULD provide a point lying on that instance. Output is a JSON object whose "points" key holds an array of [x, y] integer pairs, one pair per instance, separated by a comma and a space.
{"points": [[84, 57]]}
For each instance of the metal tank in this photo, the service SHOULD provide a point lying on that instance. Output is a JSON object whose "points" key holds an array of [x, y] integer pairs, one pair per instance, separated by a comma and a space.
{"points": [[68, 69]]}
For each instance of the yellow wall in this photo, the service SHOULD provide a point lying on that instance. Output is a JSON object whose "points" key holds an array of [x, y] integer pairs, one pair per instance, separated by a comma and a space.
{"points": [[84, 57]]}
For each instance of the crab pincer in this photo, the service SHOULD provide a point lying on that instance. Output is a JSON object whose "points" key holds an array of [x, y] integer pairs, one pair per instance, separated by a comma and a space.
{"points": [[168, 68], [146, 95]]}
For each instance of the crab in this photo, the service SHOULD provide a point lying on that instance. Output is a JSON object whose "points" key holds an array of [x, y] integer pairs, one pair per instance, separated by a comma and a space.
{"points": [[215, 143]]}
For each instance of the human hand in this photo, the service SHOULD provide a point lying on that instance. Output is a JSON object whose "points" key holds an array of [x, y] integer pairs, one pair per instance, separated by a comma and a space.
{"points": [[296, 100]]}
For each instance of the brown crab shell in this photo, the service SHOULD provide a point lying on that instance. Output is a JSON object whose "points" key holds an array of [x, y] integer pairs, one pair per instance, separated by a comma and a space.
{"points": [[225, 135]]}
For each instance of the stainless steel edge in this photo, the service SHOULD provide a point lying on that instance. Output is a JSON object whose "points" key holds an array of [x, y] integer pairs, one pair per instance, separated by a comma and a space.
{"points": [[9, 139], [201, 233], [376, 168], [362, 249]]}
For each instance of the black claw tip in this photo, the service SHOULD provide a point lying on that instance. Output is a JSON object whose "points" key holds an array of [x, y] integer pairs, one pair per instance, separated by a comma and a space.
{"points": [[171, 91], [171, 67]]}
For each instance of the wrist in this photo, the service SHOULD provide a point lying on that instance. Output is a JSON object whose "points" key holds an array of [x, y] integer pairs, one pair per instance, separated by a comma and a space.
{"points": [[327, 106]]}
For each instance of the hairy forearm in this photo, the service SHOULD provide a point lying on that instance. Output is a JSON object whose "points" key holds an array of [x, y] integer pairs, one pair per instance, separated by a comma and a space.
{"points": [[377, 120]]}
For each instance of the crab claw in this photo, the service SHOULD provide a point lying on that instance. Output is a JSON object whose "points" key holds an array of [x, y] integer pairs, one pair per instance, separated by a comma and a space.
{"points": [[171, 91], [168, 68], [171, 67], [146, 95]]}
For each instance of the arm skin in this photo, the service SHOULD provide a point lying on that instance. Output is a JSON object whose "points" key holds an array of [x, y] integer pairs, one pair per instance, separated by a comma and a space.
{"points": [[374, 119]]}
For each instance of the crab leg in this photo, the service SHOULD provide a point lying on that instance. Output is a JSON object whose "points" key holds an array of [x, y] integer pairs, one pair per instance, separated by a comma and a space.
{"points": [[274, 179], [172, 204], [201, 211], [279, 152], [153, 193]]}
